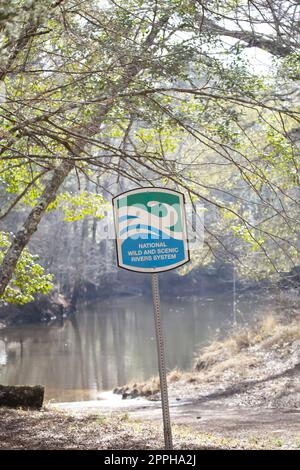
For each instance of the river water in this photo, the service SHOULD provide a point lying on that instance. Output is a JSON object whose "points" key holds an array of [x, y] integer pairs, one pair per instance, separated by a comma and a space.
{"points": [[108, 343]]}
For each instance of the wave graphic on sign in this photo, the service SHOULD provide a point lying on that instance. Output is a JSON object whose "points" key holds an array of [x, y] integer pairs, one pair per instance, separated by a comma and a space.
{"points": [[134, 221]]}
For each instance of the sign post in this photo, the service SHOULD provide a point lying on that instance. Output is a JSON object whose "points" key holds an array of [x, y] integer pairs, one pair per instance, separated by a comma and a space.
{"points": [[161, 364], [151, 237]]}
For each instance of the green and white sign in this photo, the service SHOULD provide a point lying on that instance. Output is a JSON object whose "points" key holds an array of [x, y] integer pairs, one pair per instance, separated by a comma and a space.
{"points": [[151, 230]]}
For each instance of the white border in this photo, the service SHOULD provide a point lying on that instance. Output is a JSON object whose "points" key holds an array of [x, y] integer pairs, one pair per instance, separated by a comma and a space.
{"points": [[184, 230]]}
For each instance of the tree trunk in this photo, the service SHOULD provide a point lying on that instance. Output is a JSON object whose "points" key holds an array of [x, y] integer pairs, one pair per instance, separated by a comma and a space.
{"points": [[30, 225], [27, 397], [22, 238]]}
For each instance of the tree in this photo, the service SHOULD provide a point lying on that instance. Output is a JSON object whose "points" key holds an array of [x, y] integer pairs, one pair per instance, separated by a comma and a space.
{"points": [[115, 89]]}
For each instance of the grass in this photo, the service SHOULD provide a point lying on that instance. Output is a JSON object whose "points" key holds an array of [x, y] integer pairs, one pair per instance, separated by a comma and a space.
{"points": [[175, 375], [101, 420], [235, 355], [268, 332], [143, 389]]}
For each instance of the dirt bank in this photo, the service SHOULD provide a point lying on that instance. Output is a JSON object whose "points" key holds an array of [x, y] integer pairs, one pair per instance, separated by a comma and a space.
{"points": [[45, 309], [256, 366], [139, 429]]}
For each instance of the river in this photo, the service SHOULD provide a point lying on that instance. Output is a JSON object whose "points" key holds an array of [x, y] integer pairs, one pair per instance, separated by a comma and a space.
{"points": [[110, 342]]}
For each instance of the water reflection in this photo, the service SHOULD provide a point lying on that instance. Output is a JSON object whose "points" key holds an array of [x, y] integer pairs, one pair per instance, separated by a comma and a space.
{"points": [[111, 342]]}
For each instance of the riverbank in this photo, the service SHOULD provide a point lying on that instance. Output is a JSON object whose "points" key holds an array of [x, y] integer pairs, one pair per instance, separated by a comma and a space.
{"points": [[254, 366], [243, 393], [46, 309], [204, 429]]}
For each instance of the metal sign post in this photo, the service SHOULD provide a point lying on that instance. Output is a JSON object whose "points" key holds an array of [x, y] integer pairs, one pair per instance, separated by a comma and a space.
{"points": [[161, 363], [151, 237]]}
